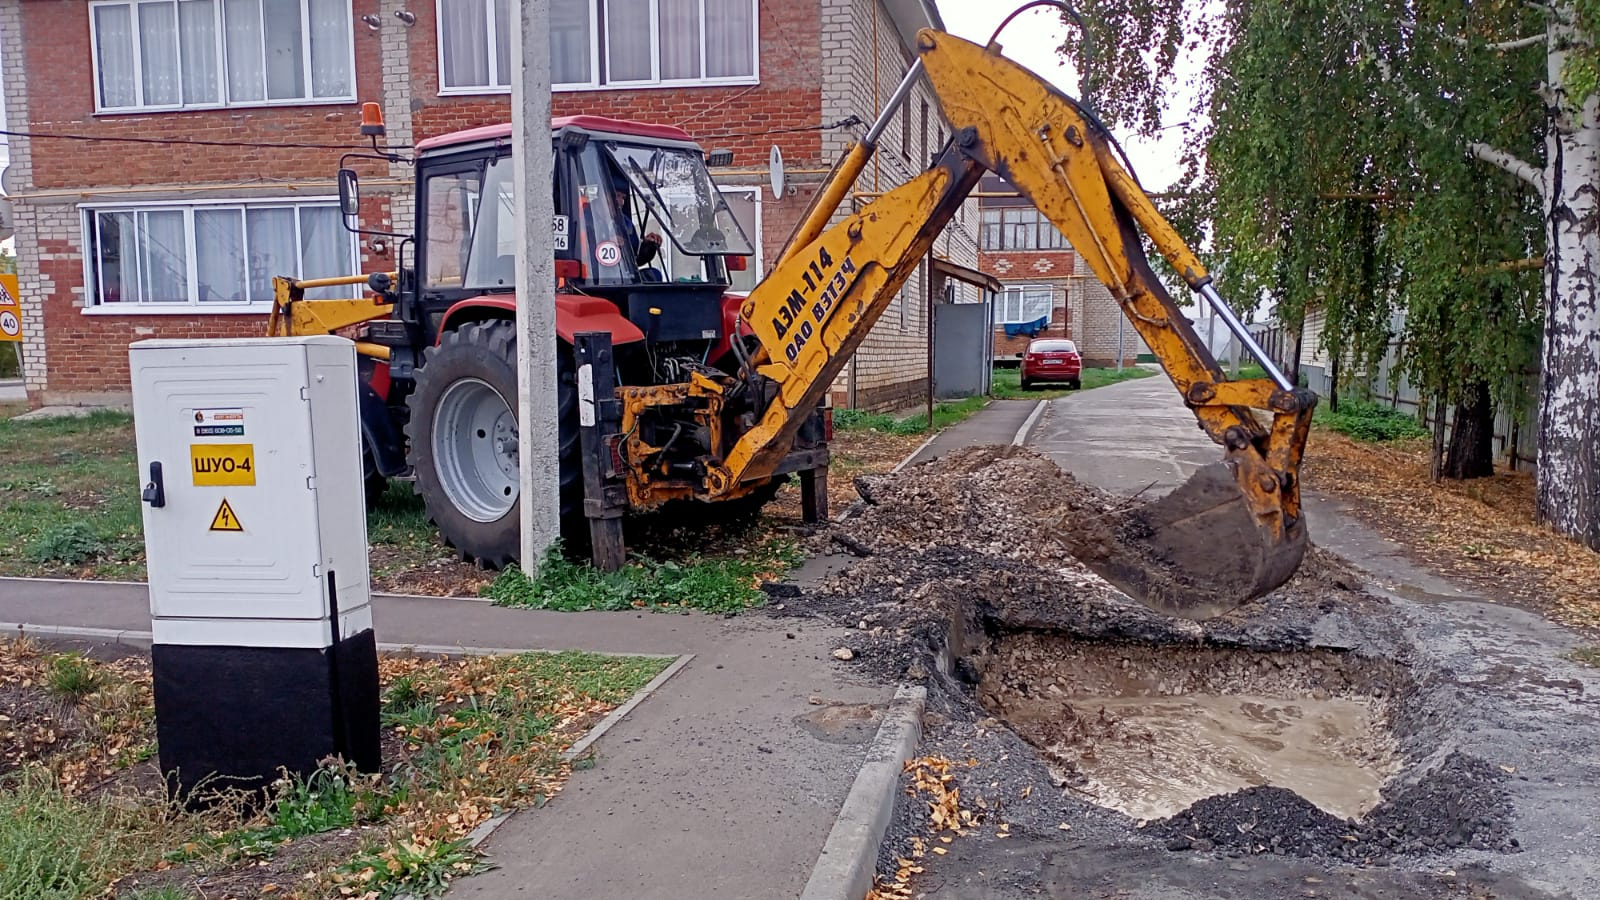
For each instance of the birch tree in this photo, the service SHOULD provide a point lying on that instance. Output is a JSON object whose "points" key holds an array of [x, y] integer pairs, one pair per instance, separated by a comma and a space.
{"points": [[1365, 156]]}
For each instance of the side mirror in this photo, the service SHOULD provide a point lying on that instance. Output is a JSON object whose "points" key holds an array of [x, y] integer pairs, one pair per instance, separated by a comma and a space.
{"points": [[349, 195]]}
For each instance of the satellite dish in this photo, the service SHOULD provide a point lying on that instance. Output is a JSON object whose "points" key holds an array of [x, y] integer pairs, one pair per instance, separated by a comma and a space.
{"points": [[10, 182], [8, 219], [775, 168]]}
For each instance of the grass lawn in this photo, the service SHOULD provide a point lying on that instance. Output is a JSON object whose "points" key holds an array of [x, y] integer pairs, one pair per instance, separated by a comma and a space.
{"points": [[71, 496], [83, 811], [1007, 383]]}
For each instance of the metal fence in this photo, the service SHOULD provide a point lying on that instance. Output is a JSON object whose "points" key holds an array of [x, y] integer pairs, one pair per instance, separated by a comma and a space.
{"points": [[1515, 437]]}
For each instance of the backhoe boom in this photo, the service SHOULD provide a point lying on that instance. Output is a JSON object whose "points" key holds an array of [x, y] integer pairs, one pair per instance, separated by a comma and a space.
{"points": [[832, 284]]}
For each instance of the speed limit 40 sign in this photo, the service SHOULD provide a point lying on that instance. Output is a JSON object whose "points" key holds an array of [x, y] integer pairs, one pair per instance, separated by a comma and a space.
{"points": [[10, 310]]}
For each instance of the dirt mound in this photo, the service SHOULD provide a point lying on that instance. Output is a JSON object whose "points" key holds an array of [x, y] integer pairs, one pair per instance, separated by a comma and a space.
{"points": [[1457, 804], [1196, 551]]}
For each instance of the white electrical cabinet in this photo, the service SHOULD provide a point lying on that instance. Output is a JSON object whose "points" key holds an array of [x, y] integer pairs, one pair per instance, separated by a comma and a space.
{"points": [[254, 513]]}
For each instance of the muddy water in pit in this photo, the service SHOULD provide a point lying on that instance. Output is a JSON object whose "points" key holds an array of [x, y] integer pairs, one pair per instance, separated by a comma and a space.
{"points": [[1176, 750], [1149, 732]]}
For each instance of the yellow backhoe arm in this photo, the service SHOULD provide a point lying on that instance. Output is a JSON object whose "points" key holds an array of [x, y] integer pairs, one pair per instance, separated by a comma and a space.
{"points": [[832, 284]]}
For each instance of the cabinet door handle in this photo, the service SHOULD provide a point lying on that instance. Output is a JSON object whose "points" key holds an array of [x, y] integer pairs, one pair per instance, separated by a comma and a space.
{"points": [[155, 492]]}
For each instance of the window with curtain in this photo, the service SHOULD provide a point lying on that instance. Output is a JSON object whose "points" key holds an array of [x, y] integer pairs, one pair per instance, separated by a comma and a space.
{"points": [[177, 54], [1022, 303], [642, 42], [213, 253], [1019, 228]]}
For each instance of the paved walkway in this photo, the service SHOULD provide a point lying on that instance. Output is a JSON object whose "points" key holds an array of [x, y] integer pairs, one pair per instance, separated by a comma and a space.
{"points": [[724, 783]]}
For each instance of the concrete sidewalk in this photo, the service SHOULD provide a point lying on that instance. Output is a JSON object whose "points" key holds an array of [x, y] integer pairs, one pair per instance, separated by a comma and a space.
{"points": [[724, 782], [998, 423]]}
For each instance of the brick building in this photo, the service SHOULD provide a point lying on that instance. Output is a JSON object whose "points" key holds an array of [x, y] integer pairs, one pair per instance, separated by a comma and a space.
{"points": [[1047, 293], [120, 241]]}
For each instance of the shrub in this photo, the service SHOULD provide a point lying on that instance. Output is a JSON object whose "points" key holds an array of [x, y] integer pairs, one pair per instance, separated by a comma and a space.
{"points": [[67, 543], [1368, 421]]}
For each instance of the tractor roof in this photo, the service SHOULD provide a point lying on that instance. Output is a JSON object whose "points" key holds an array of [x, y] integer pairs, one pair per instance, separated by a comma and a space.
{"points": [[600, 125]]}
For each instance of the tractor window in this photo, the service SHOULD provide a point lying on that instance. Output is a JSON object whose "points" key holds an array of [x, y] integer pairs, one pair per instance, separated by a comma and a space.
{"points": [[678, 190], [606, 235], [493, 261], [452, 205]]}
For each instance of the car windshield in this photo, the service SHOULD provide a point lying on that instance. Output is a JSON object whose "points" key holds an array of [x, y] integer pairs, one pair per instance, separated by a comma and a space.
{"points": [[678, 190], [1053, 347]]}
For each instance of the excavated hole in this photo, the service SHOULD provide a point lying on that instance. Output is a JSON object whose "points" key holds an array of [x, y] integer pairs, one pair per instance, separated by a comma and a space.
{"points": [[1151, 730]]}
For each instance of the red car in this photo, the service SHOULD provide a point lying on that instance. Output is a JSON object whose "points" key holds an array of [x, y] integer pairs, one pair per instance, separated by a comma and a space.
{"points": [[1054, 360]]}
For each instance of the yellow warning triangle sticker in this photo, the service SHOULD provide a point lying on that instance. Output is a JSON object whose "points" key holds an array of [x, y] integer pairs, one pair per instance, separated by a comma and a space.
{"points": [[225, 520]]}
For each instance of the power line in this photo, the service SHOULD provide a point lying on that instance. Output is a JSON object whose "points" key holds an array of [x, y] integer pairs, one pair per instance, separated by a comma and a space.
{"points": [[846, 122], [35, 135]]}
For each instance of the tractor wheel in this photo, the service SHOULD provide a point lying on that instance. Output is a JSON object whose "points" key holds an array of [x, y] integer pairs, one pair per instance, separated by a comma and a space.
{"points": [[374, 482], [463, 441]]}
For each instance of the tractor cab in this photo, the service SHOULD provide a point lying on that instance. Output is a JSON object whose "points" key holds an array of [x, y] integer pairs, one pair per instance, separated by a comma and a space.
{"points": [[637, 222]]}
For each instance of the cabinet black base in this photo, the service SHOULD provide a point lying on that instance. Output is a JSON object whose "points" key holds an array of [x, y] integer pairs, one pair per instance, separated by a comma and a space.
{"points": [[237, 718]]}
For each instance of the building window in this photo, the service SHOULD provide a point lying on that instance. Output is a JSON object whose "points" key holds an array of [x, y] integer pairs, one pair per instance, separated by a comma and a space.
{"points": [[218, 255], [642, 42], [1024, 304], [1019, 228], [185, 54]]}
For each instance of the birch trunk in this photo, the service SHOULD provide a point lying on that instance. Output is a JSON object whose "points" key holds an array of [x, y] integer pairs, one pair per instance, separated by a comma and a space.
{"points": [[1569, 390]]}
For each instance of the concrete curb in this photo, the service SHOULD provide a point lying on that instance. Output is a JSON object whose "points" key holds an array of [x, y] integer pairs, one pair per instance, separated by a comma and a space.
{"points": [[1027, 427], [849, 858]]}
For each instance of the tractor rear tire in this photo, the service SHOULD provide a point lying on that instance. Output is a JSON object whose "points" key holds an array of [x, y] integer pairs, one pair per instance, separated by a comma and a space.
{"points": [[462, 438]]}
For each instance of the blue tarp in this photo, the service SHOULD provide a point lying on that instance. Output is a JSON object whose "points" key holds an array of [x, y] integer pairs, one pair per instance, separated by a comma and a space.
{"points": [[1028, 328]]}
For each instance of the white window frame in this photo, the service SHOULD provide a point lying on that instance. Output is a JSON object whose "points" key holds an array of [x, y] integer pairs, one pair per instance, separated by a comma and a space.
{"points": [[1021, 290], [92, 306], [222, 65], [598, 46], [755, 239]]}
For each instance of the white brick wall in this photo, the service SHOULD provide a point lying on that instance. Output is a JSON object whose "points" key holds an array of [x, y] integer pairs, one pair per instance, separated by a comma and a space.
{"points": [[29, 283], [859, 75], [394, 44]]}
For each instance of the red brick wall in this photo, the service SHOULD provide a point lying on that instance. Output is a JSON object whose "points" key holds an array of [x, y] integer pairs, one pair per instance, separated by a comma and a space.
{"points": [[88, 354], [1026, 266], [61, 101], [789, 95]]}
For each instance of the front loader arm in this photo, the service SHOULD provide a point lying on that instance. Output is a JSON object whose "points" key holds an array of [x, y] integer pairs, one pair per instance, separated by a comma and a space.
{"points": [[832, 285]]}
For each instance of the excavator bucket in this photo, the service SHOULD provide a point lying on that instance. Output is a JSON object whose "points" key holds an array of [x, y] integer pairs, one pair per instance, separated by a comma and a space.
{"points": [[1201, 550]]}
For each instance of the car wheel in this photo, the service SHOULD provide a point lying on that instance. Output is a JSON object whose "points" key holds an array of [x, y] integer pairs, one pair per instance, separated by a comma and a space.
{"points": [[1027, 385], [1074, 384]]}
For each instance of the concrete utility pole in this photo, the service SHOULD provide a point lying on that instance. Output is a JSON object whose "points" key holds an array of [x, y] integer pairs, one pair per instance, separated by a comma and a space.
{"points": [[539, 411]]}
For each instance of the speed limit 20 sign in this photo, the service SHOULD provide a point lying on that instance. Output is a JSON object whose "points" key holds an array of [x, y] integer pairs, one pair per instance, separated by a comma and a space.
{"points": [[10, 310]]}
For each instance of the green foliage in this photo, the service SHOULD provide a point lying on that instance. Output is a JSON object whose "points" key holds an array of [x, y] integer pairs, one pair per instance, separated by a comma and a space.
{"points": [[415, 868], [1588, 656], [71, 677], [68, 543], [1368, 421], [55, 847], [945, 414], [1334, 174], [714, 584]]}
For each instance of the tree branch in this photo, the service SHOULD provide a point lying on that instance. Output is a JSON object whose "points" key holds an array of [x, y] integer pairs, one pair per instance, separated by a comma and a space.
{"points": [[1508, 162], [1502, 159], [1519, 43]]}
